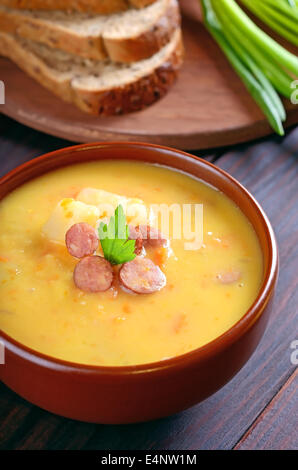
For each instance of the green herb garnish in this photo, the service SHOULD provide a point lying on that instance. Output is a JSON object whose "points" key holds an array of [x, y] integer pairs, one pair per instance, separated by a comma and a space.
{"points": [[117, 249]]}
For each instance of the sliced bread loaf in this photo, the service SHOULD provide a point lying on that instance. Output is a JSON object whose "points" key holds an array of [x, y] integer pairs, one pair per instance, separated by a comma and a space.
{"points": [[97, 87], [102, 7], [125, 37]]}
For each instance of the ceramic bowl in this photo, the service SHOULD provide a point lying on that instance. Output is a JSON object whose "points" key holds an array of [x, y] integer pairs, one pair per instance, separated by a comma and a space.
{"points": [[144, 392]]}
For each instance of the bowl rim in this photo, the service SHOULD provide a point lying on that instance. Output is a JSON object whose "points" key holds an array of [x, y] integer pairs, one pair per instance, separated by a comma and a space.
{"points": [[204, 352]]}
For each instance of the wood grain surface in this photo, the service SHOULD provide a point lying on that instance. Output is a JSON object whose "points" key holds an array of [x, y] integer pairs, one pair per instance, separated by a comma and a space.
{"points": [[258, 408], [283, 410], [207, 107]]}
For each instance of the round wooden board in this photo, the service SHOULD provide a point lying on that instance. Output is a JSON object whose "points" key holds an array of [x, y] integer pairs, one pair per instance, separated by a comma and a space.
{"points": [[207, 107]]}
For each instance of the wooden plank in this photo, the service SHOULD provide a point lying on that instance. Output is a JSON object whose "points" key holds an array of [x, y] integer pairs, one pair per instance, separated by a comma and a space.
{"points": [[276, 428], [269, 170], [207, 107], [19, 144]]}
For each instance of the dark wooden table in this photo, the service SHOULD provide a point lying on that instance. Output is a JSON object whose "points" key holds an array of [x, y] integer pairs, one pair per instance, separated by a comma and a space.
{"points": [[258, 408]]}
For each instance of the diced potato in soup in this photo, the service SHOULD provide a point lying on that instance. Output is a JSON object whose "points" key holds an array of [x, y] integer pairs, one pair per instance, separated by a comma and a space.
{"points": [[106, 202], [99, 197], [61, 298], [67, 213]]}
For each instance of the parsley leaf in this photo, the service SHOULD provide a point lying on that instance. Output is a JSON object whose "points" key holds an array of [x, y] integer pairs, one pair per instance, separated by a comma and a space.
{"points": [[114, 239]]}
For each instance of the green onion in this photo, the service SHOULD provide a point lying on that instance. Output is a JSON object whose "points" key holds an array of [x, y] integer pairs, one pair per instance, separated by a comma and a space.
{"points": [[286, 7], [260, 38], [259, 75], [261, 62], [279, 78], [260, 95], [286, 27]]}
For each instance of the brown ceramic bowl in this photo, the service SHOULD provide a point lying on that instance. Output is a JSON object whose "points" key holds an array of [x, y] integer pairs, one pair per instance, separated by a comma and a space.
{"points": [[144, 392]]}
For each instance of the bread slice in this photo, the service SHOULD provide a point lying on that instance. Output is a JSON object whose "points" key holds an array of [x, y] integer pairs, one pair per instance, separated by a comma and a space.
{"points": [[125, 37], [97, 87], [102, 7]]}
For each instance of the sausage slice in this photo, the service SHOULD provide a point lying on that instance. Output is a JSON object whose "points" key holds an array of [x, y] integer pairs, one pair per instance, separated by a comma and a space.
{"points": [[93, 274], [81, 240], [142, 276], [145, 235], [152, 236], [135, 234]]}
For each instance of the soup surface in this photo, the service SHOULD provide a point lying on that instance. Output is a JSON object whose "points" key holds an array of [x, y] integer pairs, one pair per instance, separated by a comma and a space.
{"points": [[207, 290]]}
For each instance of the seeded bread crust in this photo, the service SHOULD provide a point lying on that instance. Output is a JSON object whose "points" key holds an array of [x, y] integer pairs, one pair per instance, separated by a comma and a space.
{"points": [[139, 85], [102, 7], [157, 25], [153, 38]]}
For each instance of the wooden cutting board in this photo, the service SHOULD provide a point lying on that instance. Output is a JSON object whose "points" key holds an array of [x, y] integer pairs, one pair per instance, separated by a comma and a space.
{"points": [[207, 107]]}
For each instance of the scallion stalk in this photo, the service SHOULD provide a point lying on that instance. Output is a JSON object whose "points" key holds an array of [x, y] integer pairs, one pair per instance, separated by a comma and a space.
{"points": [[264, 66], [259, 37], [285, 7], [279, 78], [285, 27], [259, 93], [258, 73]]}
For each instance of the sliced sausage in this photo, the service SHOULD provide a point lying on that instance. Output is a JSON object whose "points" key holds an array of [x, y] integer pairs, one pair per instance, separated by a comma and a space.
{"points": [[135, 234], [152, 236], [142, 276], [81, 240], [229, 277], [93, 274], [145, 235]]}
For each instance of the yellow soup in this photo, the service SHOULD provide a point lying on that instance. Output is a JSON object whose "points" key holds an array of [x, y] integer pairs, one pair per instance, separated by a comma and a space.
{"points": [[207, 289]]}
